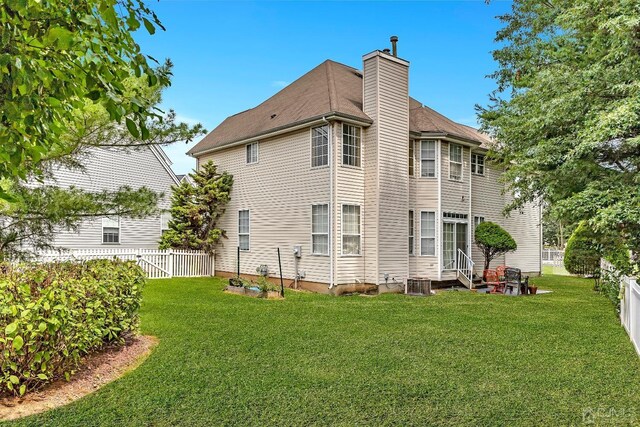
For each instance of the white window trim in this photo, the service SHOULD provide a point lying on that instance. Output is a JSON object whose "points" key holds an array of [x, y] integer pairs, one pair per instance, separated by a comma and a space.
{"points": [[342, 254], [435, 234], [412, 142], [257, 145], [461, 162], [484, 218], [412, 230], [484, 164], [436, 166], [119, 232], [244, 234], [164, 213], [321, 234], [311, 148], [342, 147]]}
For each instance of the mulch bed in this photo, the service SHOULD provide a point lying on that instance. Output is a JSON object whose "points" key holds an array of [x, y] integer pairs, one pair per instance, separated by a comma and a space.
{"points": [[97, 370]]}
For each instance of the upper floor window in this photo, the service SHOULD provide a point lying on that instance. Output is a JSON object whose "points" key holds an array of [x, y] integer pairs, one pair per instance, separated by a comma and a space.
{"points": [[350, 230], [320, 146], [455, 162], [477, 164], [252, 153], [351, 145], [428, 159], [320, 229], [164, 221], [111, 230], [244, 229], [412, 157]]}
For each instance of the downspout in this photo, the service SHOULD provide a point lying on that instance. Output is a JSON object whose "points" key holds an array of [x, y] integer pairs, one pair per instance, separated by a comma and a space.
{"points": [[331, 204]]}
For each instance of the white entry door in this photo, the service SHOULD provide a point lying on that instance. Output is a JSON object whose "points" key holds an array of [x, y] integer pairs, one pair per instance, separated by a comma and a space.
{"points": [[454, 237]]}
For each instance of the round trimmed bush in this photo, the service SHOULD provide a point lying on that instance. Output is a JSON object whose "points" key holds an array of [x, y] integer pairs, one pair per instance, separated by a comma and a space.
{"points": [[493, 240]]}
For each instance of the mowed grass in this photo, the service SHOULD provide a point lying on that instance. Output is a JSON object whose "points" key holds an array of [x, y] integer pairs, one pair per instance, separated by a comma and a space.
{"points": [[453, 359]]}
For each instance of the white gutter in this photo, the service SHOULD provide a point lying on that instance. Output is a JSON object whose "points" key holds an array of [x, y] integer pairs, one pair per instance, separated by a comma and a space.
{"points": [[331, 204], [317, 122]]}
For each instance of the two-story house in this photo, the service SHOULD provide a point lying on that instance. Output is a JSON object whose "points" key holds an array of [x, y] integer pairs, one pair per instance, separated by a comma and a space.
{"points": [[372, 186]]}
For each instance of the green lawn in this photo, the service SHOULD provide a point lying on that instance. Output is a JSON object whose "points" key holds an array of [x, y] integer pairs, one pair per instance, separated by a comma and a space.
{"points": [[453, 359]]}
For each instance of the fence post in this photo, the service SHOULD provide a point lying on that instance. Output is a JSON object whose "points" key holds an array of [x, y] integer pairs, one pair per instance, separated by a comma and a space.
{"points": [[170, 269]]}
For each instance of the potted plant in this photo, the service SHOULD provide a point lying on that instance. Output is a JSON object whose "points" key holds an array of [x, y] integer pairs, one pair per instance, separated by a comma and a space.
{"points": [[533, 289]]}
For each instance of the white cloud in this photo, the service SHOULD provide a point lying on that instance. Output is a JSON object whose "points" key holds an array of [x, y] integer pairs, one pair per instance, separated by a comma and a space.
{"points": [[279, 83]]}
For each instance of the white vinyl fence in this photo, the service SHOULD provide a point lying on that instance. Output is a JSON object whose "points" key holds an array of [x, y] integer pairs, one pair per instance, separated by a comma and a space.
{"points": [[630, 303], [157, 264], [552, 256]]}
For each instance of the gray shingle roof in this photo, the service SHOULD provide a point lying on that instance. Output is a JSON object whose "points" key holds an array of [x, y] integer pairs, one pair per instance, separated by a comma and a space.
{"points": [[330, 88]]}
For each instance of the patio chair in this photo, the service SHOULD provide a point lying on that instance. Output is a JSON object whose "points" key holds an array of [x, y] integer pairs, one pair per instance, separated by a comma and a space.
{"points": [[491, 278], [513, 278], [500, 270]]}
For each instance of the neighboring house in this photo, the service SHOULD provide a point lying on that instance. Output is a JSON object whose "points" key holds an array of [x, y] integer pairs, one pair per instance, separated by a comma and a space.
{"points": [[109, 169], [372, 185], [185, 178]]}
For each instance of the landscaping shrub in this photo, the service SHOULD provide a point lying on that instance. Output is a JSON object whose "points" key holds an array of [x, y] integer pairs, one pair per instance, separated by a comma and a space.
{"points": [[493, 240], [53, 314], [583, 252]]}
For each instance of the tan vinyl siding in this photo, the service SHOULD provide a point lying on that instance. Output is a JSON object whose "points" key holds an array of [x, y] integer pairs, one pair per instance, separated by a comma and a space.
{"points": [[386, 99], [455, 194], [108, 169], [370, 106], [349, 190], [279, 190], [487, 200], [393, 186], [423, 196]]}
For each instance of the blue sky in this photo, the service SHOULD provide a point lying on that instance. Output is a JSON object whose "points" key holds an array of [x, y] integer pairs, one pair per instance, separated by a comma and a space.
{"points": [[231, 56]]}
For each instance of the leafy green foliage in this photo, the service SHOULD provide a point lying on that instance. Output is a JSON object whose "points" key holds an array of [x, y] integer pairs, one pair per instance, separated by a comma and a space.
{"points": [[196, 210], [253, 362], [583, 252], [56, 55], [28, 224], [566, 112], [493, 241], [53, 314]]}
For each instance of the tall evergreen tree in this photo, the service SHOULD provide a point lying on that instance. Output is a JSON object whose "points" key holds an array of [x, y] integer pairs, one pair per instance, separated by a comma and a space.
{"points": [[196, 210]]}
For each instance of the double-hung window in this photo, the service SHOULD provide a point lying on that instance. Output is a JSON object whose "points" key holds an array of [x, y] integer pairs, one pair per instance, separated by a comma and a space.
{"points": [[111, 229], [477, 220], [411, 232], [412, 157], [320, 146], [455, 162], [428, 233], [164, 221], [477, 164], [252, 153], [428, 159], [350, 230], [351, 145], [244, 229], [320, 229]]}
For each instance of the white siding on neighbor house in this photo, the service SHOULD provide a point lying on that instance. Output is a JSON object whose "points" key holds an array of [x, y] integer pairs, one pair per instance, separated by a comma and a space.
{"points": [[423, 196], [524, 225], [386, 98], [108, 169], [279, 190]]}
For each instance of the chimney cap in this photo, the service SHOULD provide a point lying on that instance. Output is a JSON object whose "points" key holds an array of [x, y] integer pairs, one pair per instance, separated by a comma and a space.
{"points": [[387, 50], [393, 39]]}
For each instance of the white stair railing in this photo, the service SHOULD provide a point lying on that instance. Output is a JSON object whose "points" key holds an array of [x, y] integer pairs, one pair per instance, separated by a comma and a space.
{"points": [[464, 267]]}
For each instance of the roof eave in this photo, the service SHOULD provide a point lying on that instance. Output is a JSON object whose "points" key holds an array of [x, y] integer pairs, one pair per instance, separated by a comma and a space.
{"points": [[290, 127]]}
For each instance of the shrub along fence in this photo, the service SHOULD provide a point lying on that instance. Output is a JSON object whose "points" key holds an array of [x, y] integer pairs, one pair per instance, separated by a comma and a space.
{"points": [[625, 292], [53, 314], [156, 264]]}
